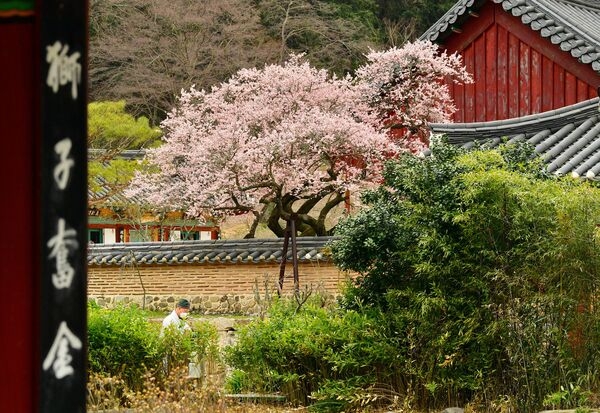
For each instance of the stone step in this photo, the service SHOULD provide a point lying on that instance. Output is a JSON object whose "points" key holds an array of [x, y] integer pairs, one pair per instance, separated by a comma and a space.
{"points": [[256, 397]]}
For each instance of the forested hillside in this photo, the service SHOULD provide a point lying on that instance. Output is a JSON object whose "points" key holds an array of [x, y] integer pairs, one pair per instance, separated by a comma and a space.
{"points": [[146, 51]]}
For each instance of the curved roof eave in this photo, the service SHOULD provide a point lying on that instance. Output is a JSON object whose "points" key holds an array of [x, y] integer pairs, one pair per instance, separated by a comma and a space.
{"points": [[568, 139], [570, 24]]}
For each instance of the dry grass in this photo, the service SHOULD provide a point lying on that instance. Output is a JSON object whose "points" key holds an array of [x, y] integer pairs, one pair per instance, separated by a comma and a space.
{"points": [[237, 226], [177, 394]]}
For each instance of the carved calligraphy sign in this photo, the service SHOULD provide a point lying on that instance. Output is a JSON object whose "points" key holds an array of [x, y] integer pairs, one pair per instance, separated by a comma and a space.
{"points": [[63, 53]]}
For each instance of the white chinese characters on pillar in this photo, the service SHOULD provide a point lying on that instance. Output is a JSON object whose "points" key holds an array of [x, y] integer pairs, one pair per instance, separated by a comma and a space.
{"points": [[64, 68], [59, 245], [59, 357], [62, 171]]}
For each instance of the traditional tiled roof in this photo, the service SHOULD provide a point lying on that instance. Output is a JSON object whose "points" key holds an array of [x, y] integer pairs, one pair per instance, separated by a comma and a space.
{"points": [[568, 139], [125, 154], [571, 24], [109, 196], [455, 16], [213, 251], [103, 191]]}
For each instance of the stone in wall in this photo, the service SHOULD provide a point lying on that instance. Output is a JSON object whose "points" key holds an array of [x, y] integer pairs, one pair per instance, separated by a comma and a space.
{"points": [[205, 305], [226, 304], [211, 288]]}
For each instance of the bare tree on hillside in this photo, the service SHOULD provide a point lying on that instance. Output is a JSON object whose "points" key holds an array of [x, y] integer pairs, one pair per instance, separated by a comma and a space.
{"points": [[332, 37], [146, 51]]}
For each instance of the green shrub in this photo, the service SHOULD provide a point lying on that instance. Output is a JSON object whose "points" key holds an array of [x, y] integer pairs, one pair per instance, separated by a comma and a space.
{"points": [[309, 354], [276, 352], [486, 269], [238, 381], [178, 349], [122, 343]]}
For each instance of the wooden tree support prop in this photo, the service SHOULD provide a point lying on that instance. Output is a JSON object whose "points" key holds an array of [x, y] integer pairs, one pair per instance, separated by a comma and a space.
{"points": [[290, 232]]}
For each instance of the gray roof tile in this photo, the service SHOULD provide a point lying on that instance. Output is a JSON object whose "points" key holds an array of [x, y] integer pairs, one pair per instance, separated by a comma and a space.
{"points": [[568, 139], [595, 169], [571, 24], [212, 251], [452, 16]]}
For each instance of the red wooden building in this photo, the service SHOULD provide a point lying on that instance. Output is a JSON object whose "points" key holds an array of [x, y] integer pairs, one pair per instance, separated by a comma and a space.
{"points": [[526, 56]]}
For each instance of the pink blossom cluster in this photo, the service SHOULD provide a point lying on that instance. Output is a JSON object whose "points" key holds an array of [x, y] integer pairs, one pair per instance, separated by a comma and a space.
{"points": [[293, 130], [406, 88]]}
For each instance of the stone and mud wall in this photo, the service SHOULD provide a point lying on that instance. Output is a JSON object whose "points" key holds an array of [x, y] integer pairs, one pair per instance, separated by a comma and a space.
{"points": [[227, 288]]}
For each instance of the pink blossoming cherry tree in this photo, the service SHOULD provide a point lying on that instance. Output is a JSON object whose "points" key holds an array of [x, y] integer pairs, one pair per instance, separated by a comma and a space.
{"points": [[406, 89], [289, 139], [279, 139]]}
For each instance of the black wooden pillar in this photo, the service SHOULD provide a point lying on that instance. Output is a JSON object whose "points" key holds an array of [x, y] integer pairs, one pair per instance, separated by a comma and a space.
{"points": [[63, 101], [43, 117], [290, 235]]}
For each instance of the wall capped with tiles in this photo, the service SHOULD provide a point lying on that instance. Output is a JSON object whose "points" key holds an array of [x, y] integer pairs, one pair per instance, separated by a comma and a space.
{"points": [[226, 288]]}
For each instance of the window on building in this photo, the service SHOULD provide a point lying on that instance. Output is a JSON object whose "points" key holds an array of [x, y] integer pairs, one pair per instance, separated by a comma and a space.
{"points": [[190, 235], [95, 236]]}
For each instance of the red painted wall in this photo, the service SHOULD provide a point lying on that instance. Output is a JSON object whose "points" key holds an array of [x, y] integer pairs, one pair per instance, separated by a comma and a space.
{"points": [[516, 71], [19, 360]]}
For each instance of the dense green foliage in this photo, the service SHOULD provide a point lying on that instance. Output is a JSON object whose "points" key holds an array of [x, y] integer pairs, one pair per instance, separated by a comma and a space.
{"points": [[110, 126], [420, 13], [315, 353], [478, 278], [481, 269], [123, 343]]}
